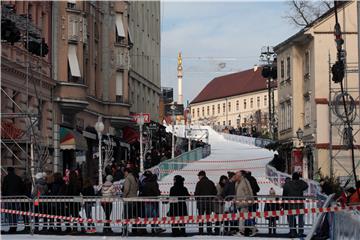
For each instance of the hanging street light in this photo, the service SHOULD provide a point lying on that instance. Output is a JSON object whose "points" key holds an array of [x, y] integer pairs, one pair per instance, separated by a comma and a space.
{"points": [[140, 121]]}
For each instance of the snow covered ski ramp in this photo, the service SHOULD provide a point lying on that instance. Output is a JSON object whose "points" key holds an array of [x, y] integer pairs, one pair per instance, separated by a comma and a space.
{"points": [[225, 156]]}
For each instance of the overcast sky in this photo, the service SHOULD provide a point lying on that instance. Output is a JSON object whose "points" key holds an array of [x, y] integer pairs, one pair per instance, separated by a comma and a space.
{"points": [[216, 38]]}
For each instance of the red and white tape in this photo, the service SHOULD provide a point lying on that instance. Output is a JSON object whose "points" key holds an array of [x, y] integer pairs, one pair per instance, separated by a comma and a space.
{"points": [[194, 183], [193, 218]]}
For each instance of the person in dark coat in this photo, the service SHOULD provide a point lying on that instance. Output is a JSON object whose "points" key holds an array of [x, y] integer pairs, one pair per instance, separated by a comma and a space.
{"points": [[89, 191], [178, 208], [205, 187], [58, 188], [291, 190], [228, 194], [255, 189], [150, 188], [272, 207], [73, 189], [12, 186]]}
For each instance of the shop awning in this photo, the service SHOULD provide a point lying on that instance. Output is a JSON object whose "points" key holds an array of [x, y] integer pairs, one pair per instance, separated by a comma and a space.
{"points": [[72, 140], [130, 135]]}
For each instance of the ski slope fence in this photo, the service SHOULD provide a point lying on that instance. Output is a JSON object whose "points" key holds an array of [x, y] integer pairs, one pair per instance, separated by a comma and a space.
{"points": [[258, 142], [179, 162]]}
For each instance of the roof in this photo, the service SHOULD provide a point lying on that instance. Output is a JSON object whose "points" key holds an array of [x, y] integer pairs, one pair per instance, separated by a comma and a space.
{"points": [[232, 85]]}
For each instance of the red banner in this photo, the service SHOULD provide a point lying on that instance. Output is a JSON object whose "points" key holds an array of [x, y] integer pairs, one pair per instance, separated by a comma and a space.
{"points": [[297, 159]]}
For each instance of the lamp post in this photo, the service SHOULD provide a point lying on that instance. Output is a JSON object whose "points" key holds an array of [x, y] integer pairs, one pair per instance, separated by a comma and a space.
{"points": [[99, 127], [140, 122], [173, 122], [300, 135], [188, 116]]}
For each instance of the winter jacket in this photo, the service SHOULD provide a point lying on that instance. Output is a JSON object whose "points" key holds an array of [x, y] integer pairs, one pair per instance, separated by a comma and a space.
{"points": [[12, 185], [150, 187], [41, 188], [253, 183], [179, 208], [108, 189], [88, 191], [293, 189], [58, 188], [243, 192], [131, 186], [205, 187], [219, 201], [229, 190]]}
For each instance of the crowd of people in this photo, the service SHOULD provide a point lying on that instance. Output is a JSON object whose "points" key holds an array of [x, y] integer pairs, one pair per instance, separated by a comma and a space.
{"points": [[209, 197]]}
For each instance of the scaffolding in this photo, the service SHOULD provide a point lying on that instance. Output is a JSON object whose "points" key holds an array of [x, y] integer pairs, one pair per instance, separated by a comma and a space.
{"points": [[339, 146], [24, 146]]}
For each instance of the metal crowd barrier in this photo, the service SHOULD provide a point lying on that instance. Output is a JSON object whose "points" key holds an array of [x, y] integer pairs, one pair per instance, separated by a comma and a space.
{"points": [[118, 215]]}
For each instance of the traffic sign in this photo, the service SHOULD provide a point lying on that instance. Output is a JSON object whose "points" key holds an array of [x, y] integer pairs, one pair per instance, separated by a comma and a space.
{"points": [[136, 116]]}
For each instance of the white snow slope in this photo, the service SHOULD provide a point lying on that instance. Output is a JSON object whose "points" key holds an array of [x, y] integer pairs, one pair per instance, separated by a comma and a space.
{"points": [[225, 156]]}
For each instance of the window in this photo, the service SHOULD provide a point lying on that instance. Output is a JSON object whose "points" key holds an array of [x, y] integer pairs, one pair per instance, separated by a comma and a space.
{"points": [[244, 103], [213, 110], [307, 64], [203, 111], [224, 123], [198, 112], [282, 70], [258, 102], [238, 121], [218, 107], [193, 112], [229, 110], [265, 100], [71, 4], [229, 122], [251, 103], [288, 67], [74, 74], [237, 105], [120, 31], [219, 123], [208, 110], [119, 86], [224, 106]]}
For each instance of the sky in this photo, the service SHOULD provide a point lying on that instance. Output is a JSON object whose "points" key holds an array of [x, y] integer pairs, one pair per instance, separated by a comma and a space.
{"points": [[217, 38]]}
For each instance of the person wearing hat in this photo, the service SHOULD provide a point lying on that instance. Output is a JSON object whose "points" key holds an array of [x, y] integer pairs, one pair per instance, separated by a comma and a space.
{"points": [[205, 187], [107, 191]]}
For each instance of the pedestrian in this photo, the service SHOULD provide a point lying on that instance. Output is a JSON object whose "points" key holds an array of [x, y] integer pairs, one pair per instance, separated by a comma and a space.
{"points": [[179, 207], [255, 189], [88, 191], [40, 190], [108, 192], [12, 186], [73, 189], [294, 190], [271, 206], [130, 190], [58, 188], [219, 203], [244, 197], [355, 198], [150, 188], [229, 194], [205, 192]]}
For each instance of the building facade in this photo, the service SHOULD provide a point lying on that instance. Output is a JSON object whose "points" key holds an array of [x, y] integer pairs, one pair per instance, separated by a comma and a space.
{"points": [[144, 75], [306, 99], [235, 100], [27, 110]]}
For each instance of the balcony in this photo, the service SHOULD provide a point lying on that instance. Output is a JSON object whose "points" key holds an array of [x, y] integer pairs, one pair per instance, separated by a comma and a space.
{"points": [[72, 97]]}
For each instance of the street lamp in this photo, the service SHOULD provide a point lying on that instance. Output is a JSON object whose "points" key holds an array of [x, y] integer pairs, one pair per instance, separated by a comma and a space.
{"points": [[140, 122], [173, 122], [188, 116], [99, 127], [300, 134]]}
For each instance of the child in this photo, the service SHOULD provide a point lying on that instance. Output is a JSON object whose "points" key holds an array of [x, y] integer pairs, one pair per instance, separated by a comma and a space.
{"points": [[272, 207]]}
